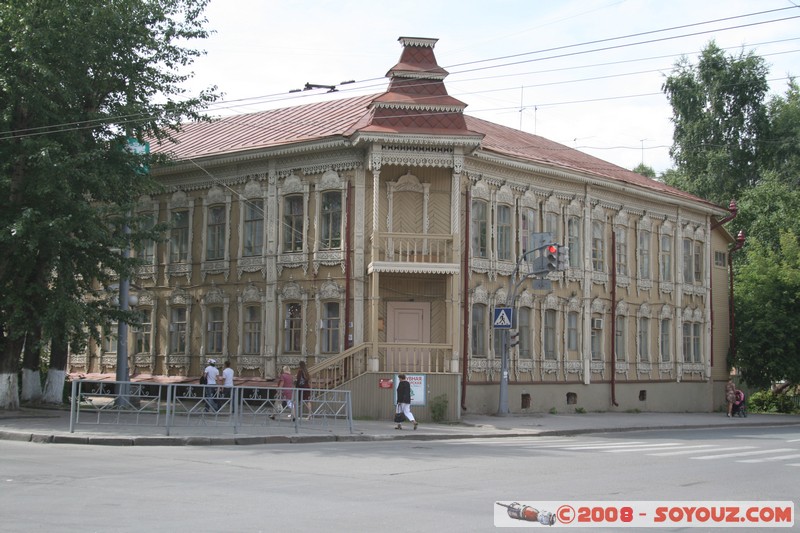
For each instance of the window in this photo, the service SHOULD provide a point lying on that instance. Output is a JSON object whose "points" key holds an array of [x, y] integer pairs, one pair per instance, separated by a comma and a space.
{"points": [[143, 334], [179, 237], [644, 339], [252, 330], [620, 338], [479, 229], [504, 236], [215, 245], [644, 254], [177, 330], [574, 241], [696, 341], [698, 262], [110, 336], [665, 340], [598, 254], [330, 327], [550, 334], [293, 223], [524, 324], [215, 328], [687, 342], [551, 225], [720, 259], [331, 227], [293, 327], [253, 228], [479, 330], [688, 270], [573, 338], [527, 228], [622, 251], [665, 258], [147, 248], [597, 339]]}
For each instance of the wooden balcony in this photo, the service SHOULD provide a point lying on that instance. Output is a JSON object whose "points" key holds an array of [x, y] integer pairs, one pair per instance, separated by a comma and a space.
{"points": [[415, 252]]}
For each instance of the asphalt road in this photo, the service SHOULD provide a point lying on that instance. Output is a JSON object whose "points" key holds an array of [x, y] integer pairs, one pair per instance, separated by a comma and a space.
{"points": [[394, 485]]}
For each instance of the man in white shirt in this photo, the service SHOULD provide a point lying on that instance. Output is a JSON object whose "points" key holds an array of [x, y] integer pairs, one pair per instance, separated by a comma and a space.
{"points": [[227, 384], [211, 374]]}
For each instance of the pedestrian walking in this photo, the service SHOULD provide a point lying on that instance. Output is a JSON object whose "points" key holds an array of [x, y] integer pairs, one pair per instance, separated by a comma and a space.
{"points": [[227, 384], [211, 373], [286, 386], [303, 381], [730, 395], [404, 402]]}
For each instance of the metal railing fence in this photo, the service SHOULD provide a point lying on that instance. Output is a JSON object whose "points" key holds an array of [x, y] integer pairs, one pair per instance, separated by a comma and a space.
{"points": [[207, 406]]}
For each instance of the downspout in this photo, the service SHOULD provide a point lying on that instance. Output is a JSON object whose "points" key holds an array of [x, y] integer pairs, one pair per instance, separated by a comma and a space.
{"points": [[465, 301], [731, 307], [614, 318], [348, 336], [733, 209]]}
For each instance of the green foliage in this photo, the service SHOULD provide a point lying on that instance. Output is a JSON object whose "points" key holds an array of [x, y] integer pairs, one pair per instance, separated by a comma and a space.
{"points": [[580, 410], [76, 80], [645, 170], [553, 411], [768, 402], [781, 147], [439, 408], [719, 115], [767, 296]]}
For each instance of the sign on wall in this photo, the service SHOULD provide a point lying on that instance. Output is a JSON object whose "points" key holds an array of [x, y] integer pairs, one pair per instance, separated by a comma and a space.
{"points": [[418, 387]]}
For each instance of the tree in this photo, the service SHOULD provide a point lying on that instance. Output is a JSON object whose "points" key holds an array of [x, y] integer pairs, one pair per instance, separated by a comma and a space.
{"points": [[719, 115], [76, 80], [781, 147], [767, 298], [645, 170]]}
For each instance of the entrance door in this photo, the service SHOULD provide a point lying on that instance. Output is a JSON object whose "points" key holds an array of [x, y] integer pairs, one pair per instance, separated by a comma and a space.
{"points": [[409, 326]]}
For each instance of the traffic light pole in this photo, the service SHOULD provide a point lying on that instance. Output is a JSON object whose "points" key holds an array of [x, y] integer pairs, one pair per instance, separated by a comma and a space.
{"points": [[513, 286]]}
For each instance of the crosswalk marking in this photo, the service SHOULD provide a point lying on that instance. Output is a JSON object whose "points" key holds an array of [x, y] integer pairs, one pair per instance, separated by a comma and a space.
{"points": [[765, 459], [743, 454], [740, 454], [686, 451]]}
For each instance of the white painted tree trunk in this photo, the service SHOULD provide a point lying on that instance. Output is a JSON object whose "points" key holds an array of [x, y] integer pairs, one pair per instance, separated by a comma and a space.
{"points": [[54, 386], [31, 386], [9, 392]]}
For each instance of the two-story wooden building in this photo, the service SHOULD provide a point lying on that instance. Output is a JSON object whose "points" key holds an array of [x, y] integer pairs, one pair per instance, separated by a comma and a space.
{"points": [[377, 234]]}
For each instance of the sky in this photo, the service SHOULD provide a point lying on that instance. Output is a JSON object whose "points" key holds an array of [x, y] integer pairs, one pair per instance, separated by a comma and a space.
{"points": [[584, 73]]}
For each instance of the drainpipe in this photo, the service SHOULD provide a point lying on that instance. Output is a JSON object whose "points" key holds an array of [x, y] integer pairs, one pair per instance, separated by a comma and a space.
{"points": [[614, 318], [733, 209], [465, 300], [732, 323], [348, 335]]}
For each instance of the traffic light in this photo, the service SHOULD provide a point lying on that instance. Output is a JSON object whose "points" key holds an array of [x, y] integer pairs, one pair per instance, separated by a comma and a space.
{"points": [[514, 338], [551, 257], [563, 257]]}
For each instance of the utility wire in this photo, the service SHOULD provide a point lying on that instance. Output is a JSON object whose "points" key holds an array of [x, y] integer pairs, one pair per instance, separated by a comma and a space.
{"points": [[127, 119]]}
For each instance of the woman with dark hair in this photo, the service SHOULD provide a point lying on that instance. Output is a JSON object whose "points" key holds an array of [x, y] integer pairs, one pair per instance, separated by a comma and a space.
{"points": [[404, 401], [303, 381]]}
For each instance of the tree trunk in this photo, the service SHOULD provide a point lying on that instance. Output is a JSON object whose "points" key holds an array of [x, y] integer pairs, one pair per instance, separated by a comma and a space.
{"points": [[54, 386], [9, 384], [31, 373]]}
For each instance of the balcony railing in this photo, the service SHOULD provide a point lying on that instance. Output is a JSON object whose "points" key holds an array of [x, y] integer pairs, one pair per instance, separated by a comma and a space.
{"points": [[392, 358], [416, 248]]}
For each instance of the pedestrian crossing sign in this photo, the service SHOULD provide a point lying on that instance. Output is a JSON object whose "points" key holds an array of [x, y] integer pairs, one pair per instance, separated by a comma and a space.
{"points": [[502, 317]]}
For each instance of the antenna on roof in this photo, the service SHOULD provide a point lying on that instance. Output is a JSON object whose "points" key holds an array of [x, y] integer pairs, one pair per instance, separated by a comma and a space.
{"points": [[310, 86]]}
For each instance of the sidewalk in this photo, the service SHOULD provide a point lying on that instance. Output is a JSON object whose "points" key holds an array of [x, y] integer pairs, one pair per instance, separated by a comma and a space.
{"points": [[52, 426]]}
